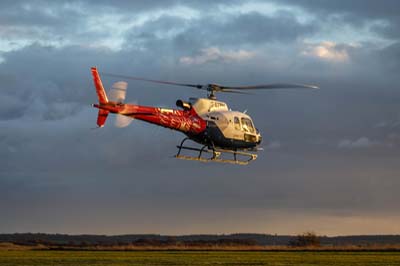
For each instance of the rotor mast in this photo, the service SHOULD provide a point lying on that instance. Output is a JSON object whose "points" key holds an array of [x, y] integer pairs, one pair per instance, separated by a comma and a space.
{"points": [[211, 89]]}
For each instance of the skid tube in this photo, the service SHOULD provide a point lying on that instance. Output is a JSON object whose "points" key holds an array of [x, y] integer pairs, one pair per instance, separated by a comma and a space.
{"points": [[216, 153]]}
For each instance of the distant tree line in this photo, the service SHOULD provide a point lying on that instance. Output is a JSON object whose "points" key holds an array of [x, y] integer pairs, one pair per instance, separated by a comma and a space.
{"points": [[308, 239], [302, 240]]}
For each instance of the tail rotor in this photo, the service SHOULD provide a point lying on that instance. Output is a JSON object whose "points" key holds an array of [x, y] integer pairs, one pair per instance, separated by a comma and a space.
{"points": [[122, 120], [117, 94]]}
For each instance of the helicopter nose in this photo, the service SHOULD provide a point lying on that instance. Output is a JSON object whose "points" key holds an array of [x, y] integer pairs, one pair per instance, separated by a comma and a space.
{"points": [[259, 137]]}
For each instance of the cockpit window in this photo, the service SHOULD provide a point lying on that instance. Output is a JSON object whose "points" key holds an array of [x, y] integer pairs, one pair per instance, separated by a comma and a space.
{"points": [[247, 125], [237, 123]]}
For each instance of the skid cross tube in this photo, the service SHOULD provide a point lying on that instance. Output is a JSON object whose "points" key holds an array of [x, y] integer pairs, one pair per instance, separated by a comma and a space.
{"points": [[180, 146], [216, 153]]}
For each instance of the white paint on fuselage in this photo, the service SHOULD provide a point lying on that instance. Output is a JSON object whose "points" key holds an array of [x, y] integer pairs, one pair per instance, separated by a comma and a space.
{"points": [[231, 123], [203, 106]]}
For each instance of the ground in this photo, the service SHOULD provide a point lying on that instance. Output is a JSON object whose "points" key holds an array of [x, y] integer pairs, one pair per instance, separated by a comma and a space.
{"points": [[143, 258]]}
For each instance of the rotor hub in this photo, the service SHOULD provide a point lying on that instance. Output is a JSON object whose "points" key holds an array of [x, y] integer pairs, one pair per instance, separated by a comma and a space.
{"points": [[211, 89]]}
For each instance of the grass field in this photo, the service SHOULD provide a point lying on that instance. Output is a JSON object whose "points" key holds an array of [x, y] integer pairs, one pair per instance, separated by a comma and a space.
{"points": [[97, 258]]}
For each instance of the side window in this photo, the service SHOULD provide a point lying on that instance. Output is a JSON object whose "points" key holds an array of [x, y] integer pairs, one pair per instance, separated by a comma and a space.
{"points": [[247, 125], [237, 123]]}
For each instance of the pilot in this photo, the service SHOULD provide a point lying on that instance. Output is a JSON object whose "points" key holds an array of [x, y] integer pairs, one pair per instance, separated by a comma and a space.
{"points": [[245, 128]]}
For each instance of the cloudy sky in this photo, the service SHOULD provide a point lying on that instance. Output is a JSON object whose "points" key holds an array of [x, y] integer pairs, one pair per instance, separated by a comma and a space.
{"points": [[331, 162]]}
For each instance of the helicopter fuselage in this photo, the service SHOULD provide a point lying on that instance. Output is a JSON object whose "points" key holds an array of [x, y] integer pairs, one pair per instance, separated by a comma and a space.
{"points": [[206, 121]]}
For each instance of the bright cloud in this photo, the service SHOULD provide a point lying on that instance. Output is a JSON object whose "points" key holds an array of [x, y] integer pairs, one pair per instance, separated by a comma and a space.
{"points": [[214, 54], [326, 50]]}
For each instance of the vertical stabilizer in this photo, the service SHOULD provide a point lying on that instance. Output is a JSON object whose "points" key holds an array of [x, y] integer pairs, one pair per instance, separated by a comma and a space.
{"points": [[101, 94]]}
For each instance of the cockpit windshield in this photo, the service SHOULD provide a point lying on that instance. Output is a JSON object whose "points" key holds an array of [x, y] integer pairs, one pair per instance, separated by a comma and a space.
{"points": [[247, 125]]}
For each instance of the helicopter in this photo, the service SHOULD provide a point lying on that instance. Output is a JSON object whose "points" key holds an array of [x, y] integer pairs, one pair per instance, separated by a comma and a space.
{"points": [[225, 136]]}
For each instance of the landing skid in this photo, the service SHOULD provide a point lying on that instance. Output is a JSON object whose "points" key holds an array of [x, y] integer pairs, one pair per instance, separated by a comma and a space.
{"points": [[216, 154]]}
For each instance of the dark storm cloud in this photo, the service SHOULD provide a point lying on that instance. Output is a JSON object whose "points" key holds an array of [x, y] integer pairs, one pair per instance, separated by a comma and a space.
{"points": [[34, 15], [390, 56], [235, 31], [49, 84], [256, 28], [55, 15], [143, 6], [252, 28], [40, 21], [366, 8], [329, 151], [357, 12], [37, 75], [11, 107]]}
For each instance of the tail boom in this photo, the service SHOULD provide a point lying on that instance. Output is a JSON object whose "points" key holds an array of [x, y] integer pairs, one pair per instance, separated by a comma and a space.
{"points": [[186, 121]]}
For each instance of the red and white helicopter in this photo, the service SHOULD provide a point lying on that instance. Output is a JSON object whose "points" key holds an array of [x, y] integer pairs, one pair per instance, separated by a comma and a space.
{"points": [[206, 121]]}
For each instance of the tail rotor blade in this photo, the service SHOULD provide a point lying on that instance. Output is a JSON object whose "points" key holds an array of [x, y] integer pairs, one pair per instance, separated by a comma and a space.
{"points": [[118, 91], [122, 120]]}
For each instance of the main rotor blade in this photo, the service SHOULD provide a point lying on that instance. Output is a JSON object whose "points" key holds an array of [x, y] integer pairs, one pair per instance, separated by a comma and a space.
{"points": [[198, 86], [270, 87], [234, 91]]}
